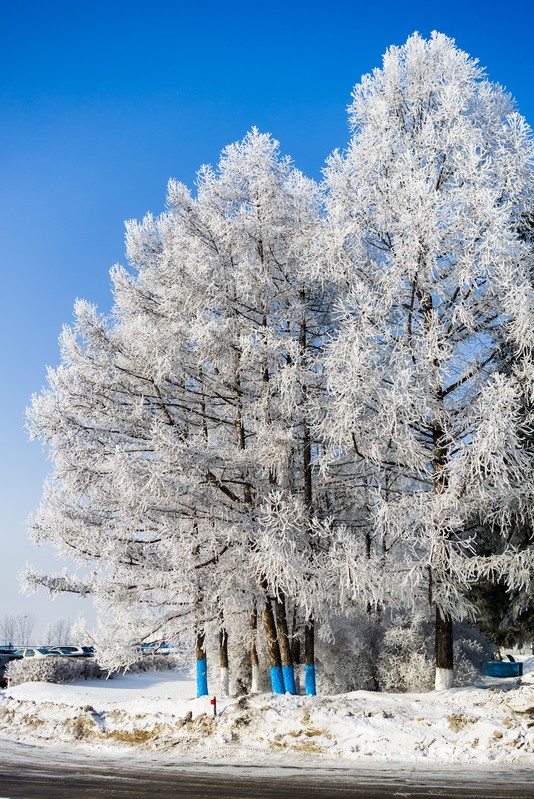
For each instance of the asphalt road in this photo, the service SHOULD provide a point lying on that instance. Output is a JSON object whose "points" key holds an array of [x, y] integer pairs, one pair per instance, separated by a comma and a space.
{"points": [[29, 772]]}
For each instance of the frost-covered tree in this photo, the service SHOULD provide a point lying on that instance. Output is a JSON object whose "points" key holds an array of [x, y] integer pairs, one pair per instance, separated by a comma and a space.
{"points": [[173, 423], [432, 367], [290, 415], [110, 503]]}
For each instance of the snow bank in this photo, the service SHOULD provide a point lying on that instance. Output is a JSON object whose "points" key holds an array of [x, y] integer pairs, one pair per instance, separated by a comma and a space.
{"points": [[493, 722]]}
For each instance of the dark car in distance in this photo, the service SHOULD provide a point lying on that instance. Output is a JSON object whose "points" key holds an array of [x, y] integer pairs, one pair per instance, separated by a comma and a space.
{"points": [[6, 655]]}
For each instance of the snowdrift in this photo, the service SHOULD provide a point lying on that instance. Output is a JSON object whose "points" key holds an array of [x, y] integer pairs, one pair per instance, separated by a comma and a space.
{"points": [[493, 722]]}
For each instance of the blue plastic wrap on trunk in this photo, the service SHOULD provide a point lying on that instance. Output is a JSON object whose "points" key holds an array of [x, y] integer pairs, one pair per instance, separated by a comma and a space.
{"points": [[202, 678], [311, 689], [277, 680], [289, 679]]}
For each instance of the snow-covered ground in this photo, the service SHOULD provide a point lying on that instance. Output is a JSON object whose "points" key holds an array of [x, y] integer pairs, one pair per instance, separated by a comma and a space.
{"points": [[157, 711]]}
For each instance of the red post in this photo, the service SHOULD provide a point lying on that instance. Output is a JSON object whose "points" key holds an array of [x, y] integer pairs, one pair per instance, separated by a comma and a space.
{"points": [[213, 702]]}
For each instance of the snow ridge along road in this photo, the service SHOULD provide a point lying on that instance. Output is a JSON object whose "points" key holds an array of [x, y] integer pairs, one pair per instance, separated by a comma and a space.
{"points": [[157, 713]]}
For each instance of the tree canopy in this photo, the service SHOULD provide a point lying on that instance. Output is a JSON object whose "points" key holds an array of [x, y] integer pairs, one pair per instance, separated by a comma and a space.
{"points": [[310, 398]]}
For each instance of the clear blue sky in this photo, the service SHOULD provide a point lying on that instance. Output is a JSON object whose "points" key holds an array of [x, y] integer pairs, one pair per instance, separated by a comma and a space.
{"points": [[101, 103]]}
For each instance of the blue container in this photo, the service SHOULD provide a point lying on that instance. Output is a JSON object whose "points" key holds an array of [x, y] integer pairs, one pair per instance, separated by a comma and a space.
{"points": [[503, 668]]}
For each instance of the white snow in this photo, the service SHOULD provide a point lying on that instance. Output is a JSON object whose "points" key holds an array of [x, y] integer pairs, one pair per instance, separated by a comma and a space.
{"points": [[158, 712]]}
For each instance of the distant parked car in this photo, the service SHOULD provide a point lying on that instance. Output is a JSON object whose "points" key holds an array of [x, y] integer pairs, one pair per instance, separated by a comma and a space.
{"points": [[149, 649], [6, 655], [158, 648], [34, 652], [72, 651]]}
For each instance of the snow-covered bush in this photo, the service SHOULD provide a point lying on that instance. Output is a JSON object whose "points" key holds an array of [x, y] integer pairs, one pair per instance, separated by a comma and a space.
{"points": [[346, 656], [156, 663], [406, 656], [471, 649], [394, 653], [52, 669], [405, 661], [369, 654]]}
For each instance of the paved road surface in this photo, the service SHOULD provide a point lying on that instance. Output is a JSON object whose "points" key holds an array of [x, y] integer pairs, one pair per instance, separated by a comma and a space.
{"points": [[30, 772]]}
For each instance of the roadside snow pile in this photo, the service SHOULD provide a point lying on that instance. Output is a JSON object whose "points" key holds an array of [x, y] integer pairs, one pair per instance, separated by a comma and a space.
{"points": [[494, 723]]}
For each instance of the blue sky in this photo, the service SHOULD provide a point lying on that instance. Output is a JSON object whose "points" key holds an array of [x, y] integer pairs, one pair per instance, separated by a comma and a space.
{"points": [[101, 103]]}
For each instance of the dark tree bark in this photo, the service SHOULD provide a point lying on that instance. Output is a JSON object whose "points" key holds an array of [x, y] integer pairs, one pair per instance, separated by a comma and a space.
{"points": [[444, 644], [202, 671], [223, 660], [273, 648], [285, 647], [254, 660], [309, 656]]}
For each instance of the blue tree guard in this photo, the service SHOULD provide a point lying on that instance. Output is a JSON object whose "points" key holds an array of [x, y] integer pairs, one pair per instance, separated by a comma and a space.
{"points": [[311, 689], [202, 678], [288, 673], [277, 680]]}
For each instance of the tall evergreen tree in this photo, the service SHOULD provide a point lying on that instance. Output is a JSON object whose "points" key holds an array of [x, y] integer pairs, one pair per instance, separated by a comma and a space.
{"points": [[424, 209], [172, 423]]}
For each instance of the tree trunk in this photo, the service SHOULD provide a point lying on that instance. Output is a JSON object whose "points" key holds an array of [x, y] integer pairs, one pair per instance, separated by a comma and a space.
{"points": [[295, 649], [309, 657], [273, 648], [288, 671], [202, 670], [444, 652], [309, 627], [444, 632], [254, 662], [223, 662]]}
